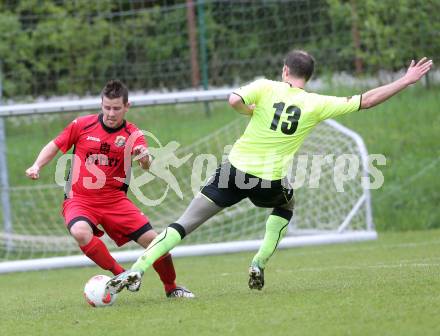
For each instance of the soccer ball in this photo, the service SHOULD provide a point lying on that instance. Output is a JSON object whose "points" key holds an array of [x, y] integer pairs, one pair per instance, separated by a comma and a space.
{"points": [[94, 292]]}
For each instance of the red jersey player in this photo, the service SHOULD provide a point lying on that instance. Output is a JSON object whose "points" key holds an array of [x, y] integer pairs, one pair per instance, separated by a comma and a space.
{"points": [[96, 189]]}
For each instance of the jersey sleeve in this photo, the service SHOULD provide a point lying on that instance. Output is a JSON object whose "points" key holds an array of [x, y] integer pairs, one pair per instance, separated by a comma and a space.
{"points": [[68, 136], [251, 93], [330, 106]]}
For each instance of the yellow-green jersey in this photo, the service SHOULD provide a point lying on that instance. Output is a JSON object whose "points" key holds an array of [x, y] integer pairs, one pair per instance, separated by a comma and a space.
{"points": [[282, 118]]}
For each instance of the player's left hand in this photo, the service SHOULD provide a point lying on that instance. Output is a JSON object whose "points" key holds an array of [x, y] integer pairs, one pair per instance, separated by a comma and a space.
{"points": [[141, 155], [418, 70]]}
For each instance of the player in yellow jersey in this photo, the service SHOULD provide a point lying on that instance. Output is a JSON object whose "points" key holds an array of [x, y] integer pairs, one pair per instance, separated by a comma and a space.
{"points": [[281, 116]]}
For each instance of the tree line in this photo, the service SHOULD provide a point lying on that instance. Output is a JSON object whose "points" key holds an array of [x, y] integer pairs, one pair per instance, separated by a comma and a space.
{"points": [[54, 47]]}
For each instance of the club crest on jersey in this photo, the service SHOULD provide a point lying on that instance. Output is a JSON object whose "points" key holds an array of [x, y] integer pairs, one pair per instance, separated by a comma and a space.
{"points": [[120, 141]]}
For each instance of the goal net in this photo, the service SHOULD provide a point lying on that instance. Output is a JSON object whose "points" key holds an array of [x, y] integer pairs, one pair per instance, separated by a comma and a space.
{"points": [[331, 206]]}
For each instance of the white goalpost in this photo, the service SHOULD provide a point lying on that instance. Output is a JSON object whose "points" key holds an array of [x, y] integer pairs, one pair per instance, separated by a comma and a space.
{"points": [[33, 237]]}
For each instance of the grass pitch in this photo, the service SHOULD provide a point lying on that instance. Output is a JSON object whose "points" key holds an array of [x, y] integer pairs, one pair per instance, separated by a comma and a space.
{"points": [[385, 287]]}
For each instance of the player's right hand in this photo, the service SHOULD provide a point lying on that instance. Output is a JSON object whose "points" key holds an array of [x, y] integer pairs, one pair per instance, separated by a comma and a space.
{"points": [[33, 172]]}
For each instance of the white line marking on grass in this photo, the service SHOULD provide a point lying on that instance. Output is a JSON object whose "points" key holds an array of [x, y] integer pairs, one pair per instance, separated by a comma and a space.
{"points": [[360, 267], [359, 248], [398, 265]]}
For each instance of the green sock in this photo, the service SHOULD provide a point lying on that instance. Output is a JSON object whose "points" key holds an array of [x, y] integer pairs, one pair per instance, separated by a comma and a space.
{"points": [[276, 227], [160, 245]]}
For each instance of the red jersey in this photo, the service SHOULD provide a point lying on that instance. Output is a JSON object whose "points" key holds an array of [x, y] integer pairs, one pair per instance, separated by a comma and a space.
{"points": [[98, 165]]}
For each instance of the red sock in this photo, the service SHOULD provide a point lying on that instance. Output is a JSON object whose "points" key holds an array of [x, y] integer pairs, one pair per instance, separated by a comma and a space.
{"points": [[98, 252], [165, 268]]}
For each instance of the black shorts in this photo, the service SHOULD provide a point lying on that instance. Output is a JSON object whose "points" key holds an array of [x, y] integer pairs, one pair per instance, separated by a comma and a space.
{"points": [[229, 186]]}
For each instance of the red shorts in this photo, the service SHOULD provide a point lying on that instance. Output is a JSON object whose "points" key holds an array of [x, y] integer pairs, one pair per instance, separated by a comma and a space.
{"points": [[120, 219]]}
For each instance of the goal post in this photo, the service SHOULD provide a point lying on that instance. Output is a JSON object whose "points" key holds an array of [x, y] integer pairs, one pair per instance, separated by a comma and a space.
{"points": [[35, 237]]}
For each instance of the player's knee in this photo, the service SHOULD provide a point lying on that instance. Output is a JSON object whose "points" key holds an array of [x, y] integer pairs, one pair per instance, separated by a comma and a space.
{"points": [[181, 229], [285, 211], [82, 232]]}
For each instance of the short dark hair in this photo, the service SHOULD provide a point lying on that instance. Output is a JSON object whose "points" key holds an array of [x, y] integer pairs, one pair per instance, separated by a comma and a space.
{"points": [[300, 64], [115, 89]]}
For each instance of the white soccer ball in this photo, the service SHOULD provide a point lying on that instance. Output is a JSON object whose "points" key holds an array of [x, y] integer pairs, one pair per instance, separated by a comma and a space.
{"points": [[94, 292]]}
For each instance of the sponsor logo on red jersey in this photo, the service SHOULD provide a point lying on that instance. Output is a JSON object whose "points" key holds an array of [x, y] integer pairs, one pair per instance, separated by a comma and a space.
{"points": [[92, 138]]}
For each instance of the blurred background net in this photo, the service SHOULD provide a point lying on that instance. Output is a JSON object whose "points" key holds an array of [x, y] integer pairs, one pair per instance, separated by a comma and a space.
{"points": [[53, 47]]}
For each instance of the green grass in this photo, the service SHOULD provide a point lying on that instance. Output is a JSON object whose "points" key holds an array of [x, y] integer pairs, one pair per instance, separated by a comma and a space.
{"points": [[386, 287]]}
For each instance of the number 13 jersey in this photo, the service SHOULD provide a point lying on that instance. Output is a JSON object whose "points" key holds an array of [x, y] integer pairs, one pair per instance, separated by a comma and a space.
{"points": [[282, 118]]}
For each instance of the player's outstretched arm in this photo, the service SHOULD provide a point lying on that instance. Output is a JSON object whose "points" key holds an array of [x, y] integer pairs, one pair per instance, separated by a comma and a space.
{"points": [[237, 104], [414, 73], [46, 155]]}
